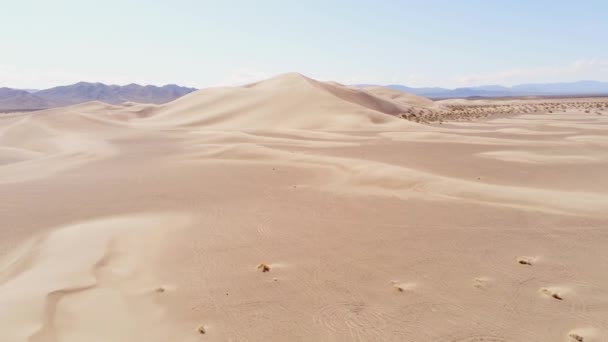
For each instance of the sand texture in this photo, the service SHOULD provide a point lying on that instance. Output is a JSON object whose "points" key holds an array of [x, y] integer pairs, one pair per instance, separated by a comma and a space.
{"points": [[298, 210]]}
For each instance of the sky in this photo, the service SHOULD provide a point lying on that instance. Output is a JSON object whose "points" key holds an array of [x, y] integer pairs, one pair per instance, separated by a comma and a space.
{"points": [[217, 43]]}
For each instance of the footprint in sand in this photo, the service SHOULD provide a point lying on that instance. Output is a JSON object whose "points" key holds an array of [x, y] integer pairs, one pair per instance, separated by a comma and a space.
{"points": [[525, 260], [554, 292], [583, 335], [403, 287], [201, 330], [576, 337], [482, 282], [161, 288], [482, 339]]}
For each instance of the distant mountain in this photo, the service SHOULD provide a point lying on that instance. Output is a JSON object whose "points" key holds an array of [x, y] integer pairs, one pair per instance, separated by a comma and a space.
{"points": [[546, 89], [113, 94], [8, 93], [15, 99], [581, 87]]}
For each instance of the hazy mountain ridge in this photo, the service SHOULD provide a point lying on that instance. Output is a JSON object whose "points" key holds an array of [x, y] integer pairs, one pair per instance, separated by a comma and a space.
{"points": [[17, 99], [29, 99], [532, 89], [11, 99]]}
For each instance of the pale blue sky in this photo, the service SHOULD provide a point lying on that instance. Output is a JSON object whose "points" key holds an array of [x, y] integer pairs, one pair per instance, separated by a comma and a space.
{"points": [[207, 43]]}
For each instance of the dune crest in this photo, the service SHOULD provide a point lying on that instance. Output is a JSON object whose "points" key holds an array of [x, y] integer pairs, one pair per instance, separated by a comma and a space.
{"points": [[289, 101]]}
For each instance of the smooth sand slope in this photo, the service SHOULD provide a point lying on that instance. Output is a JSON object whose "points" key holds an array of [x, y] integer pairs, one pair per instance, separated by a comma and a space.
{"points": [[297, 210]]}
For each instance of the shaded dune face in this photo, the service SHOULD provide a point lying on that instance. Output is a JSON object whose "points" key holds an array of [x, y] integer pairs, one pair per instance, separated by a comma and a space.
{"points": [[56, 275], [402, 98], [297, 210]]}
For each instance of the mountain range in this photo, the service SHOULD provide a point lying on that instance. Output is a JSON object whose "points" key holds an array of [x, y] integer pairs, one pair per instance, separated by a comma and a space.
{"points": [[28, 99], [533, 89]]}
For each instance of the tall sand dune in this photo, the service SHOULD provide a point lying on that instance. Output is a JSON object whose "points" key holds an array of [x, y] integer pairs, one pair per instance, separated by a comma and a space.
{"points": [[286, 101]]}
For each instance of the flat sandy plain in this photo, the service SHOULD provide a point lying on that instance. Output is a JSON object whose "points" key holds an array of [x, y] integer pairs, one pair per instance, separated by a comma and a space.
{"points": [[295, 210]]}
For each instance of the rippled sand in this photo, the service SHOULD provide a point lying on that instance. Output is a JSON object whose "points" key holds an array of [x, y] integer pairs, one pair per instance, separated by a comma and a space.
{"points": [[294, 210]]}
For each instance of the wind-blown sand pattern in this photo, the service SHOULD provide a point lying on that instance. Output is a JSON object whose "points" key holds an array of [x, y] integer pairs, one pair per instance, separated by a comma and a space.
{"points": [[296, 210]]}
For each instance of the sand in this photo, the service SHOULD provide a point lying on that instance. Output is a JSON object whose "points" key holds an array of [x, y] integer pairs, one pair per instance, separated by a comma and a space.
{"points": [[296, 210]]}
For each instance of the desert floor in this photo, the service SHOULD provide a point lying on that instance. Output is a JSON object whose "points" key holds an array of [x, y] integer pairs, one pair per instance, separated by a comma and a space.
{"points": [[487, 230]]}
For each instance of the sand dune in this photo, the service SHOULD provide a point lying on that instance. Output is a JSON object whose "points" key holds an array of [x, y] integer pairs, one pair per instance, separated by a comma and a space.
{"points": [[66, 281], [286, 101], [28, 144], [297, 210], [403, 98]]}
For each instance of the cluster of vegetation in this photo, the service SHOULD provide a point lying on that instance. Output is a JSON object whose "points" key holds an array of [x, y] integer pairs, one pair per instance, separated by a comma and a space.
{"points": [[463, 112]]}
